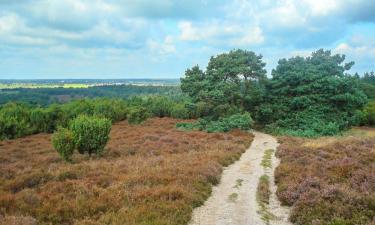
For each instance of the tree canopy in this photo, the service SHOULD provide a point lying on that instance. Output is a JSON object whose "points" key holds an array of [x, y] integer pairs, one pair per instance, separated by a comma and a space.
{"points": [[229, 83], [312, 95]]}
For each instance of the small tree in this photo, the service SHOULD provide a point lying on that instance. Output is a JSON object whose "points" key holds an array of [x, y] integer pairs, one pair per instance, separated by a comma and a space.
{"points": [[62, 141], [90, 133]]}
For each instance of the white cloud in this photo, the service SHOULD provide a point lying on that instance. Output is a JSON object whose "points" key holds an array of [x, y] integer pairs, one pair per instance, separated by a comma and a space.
{"points": [[223, 33], [162, 48]]}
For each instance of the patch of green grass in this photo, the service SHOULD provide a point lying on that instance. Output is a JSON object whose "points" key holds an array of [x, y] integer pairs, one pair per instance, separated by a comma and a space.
{"points": [[267, 159], [263, 198], [233, 197], [238, 183]]}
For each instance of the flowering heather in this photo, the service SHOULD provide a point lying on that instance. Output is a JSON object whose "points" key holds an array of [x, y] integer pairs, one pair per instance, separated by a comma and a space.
{"points": [[328, 180], [149, 174]]}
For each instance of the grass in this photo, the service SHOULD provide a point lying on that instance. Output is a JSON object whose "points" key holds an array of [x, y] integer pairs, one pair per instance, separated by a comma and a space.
{"points": [[233, 197], [267, 158], [149, 174], [238, 183], [263, 197], [329, 180]]}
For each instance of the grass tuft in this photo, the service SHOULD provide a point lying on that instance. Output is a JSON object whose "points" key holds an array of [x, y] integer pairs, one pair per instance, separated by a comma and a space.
{"points": [[267, 158]]}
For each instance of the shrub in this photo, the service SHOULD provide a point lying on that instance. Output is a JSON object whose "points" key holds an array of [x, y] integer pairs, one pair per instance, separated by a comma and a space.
{"points": [[237, 121], [179, 111], [369, 113], [114, 110], [137, 115], [40, 120], [90, 133], [63, 142], [160, 106], [14, 121]]}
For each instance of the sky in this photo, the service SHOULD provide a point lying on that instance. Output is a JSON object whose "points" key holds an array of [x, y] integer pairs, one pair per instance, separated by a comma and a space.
{"points": [[48, 39]]}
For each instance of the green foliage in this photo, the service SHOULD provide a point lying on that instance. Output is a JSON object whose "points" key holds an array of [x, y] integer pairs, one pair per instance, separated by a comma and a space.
{"points": [[369, 114], [232, 81], [159, 106], [224, 124], [113, 109], [14, 121], [137, 114], [63, 142], [179, 111], [312, 96], [90, 133]]}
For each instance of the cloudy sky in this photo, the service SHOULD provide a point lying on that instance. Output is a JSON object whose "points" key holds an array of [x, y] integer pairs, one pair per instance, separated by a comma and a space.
{"points": [[161, 38]]}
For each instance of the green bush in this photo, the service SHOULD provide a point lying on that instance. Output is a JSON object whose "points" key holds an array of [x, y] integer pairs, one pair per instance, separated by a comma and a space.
{"points": [[237, 121], [137, 115], [159, 106], [63, 142], [225, 124], [90, 133], [115, 110], [14, 121], [40, 120], [179, 111], [369, 114]]}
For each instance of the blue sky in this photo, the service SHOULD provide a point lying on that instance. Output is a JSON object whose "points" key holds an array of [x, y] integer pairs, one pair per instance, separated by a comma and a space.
{"points": [[161, 39]]}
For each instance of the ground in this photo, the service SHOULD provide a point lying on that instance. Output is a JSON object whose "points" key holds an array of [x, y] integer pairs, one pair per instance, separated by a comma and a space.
{"points": [[150, 174]]}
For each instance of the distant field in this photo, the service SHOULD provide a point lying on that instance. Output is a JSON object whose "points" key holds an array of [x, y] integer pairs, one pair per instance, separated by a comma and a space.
{"points": [[83, 83], [36, 85], [329, 180], [150, 174]]}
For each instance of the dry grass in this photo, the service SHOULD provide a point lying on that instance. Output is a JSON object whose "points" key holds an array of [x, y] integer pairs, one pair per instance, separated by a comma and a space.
{"points": [[328, 180], [150, 174]]}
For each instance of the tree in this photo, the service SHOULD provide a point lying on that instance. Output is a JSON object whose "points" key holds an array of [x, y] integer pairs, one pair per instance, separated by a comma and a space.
{"points": [[230, 81], [63, 142], [312, 95], [90, 133]]}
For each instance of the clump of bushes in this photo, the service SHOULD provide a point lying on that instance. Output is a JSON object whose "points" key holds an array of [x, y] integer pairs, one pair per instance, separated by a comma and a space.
{"points": [[87, 134], [369, 114], [137, 115], [224, 124], [63, 142], [90, 133]]}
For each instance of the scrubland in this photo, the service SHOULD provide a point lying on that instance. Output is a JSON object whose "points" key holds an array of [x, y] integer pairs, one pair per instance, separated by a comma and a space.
{"points": [[149, 174], [329, 180]]}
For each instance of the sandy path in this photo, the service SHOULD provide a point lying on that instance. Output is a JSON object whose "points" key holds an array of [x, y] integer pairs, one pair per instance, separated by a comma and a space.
{"points": [[233, 201]]}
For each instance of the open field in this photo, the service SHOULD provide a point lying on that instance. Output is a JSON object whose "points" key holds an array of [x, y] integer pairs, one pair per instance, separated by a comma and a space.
{"points": [[150, 174], [329, 180]]}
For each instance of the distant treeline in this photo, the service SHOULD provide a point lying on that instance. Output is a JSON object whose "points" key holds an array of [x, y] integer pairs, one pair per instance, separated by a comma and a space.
{"points": [[18, 119], [47, 96]]}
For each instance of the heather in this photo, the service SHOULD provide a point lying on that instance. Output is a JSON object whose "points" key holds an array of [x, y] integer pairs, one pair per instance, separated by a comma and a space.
{"points": [[150, 173], [328, 180]]}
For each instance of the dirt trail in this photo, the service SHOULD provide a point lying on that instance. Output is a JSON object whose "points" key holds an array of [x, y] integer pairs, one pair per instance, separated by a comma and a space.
{"points": [[233, 201]]}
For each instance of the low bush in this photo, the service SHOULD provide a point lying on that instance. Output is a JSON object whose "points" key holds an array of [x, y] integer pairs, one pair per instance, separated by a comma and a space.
{"points": [[179, 111], [90, 133], [137, 115], [63, 142], [14, 121], [237, 121], [369, 114]]}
